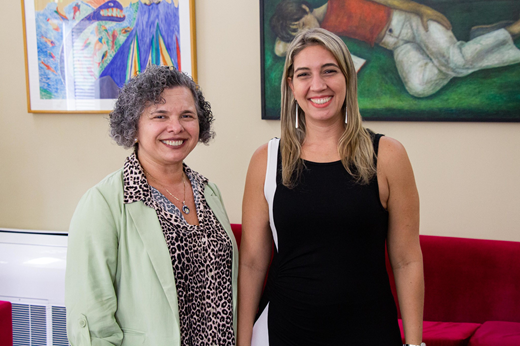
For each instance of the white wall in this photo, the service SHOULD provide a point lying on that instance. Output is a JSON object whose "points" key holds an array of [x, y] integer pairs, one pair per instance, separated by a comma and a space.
{"points": [[467, 173]]}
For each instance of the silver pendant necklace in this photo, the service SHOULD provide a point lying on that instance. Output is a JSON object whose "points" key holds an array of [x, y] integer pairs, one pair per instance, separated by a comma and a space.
{"points": [[184, 208]]}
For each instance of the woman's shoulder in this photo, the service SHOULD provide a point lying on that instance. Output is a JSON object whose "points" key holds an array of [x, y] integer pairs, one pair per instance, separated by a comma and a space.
{"points": [[102, 203], [390, 148], [262, 152], [259, 161], [109, 189], [392, 157], [259, 157], [266, 152], [111, 183]]}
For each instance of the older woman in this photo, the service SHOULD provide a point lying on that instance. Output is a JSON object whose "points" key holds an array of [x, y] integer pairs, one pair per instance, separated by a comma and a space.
{"points": [[330, 194], [152, 259]]}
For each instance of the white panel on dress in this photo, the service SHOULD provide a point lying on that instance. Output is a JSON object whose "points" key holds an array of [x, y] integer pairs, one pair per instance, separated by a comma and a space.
{"points": [[270, 182], [260, 330]]}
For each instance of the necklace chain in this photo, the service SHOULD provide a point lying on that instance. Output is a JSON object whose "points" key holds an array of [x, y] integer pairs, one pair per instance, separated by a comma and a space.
{"points": [[184, 208]]}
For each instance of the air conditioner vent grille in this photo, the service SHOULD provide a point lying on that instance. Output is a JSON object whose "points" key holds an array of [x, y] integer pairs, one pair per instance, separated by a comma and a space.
{"points": [[59, 331], [21, 325], [30, 327], [38, 325]]}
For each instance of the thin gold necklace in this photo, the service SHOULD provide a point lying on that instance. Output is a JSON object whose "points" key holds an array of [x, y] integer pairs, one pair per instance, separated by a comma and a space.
{"points": [[184, 208]]}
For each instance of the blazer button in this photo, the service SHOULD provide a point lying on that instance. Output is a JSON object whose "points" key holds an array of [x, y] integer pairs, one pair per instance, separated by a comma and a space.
{"points": [[82, 323]]}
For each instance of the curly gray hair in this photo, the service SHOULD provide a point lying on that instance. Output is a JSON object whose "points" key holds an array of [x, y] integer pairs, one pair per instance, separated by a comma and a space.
{"points": [[147, 88]]}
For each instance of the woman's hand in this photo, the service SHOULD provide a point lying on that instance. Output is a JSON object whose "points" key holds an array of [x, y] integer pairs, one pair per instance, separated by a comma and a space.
{"points": [[424, 12], [427, 13]]}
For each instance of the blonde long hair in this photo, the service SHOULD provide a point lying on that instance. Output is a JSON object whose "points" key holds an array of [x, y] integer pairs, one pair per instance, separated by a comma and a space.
{"points": [[355, 144]]}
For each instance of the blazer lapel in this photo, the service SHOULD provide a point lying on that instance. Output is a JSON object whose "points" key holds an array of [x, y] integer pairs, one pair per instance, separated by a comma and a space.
{"points": [[148, 227]]}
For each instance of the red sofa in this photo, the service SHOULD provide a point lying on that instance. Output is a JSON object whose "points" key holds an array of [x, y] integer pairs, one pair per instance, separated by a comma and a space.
{"points": [[6, 324], [472, 291]]}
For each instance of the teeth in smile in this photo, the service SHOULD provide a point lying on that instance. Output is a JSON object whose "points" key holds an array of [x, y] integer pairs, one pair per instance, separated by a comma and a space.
{"points": [[322, 100], [173, 143]]}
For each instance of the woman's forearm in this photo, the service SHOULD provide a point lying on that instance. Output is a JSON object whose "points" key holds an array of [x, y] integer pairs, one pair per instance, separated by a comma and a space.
{"points": [[426, 13], [250, 283], [410, 292]]}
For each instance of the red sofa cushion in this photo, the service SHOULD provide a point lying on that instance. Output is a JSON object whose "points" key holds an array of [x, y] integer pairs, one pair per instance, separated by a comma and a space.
{"points": [[469, 280], [446, 333], [6, 324], [497, 333]]}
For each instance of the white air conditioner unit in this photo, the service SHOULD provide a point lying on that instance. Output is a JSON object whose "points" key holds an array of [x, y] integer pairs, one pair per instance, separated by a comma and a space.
{"points": [[32, 278]]}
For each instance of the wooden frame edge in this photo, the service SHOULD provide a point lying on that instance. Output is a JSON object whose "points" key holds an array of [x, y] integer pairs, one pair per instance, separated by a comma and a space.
{"points": [[193, 37], [193, 42], [27, 89]]}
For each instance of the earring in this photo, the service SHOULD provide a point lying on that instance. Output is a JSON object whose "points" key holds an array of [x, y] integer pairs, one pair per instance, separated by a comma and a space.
{"points": [[135, 140], [296, 125], [346, 115]]}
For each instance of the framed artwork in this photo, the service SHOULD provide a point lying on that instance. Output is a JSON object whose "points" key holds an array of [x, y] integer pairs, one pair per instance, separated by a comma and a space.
{"points": [[79, 53], [479, 82]]}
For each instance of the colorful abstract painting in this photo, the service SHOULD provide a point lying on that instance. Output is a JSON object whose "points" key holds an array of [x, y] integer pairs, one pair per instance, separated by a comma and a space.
{"points": [[80, 53], [483, 82]]}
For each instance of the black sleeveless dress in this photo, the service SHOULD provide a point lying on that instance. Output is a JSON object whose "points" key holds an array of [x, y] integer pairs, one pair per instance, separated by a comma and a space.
{"points": [[327, 284]]}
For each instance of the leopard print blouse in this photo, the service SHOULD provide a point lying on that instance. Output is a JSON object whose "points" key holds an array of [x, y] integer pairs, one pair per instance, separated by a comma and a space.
{"points": [[201, 258]]}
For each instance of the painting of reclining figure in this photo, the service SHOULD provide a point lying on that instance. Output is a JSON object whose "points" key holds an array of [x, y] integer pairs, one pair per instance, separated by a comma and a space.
{"points": [[81, 52], [416, 60]]}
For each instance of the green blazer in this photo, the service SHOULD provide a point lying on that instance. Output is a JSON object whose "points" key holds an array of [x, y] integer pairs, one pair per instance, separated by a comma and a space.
{"points": [[119, 283]]}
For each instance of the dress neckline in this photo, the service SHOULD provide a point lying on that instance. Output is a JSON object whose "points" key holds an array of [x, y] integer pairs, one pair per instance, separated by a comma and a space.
{"points": [[313, 163]]}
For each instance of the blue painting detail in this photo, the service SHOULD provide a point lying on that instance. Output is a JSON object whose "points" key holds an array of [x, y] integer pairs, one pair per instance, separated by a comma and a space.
{"points": [[93, 62], [148, 18]]}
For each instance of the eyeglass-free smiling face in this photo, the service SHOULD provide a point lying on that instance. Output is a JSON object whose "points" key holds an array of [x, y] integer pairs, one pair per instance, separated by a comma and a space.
{"points": [[168, 132], [318, 84]]}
